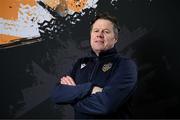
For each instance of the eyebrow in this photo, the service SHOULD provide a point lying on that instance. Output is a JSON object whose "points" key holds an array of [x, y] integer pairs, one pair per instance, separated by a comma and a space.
{"points": [[99, 28]]}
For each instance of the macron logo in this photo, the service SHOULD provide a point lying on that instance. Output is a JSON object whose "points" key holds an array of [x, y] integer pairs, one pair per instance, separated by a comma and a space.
{"points": [[83, 65]]}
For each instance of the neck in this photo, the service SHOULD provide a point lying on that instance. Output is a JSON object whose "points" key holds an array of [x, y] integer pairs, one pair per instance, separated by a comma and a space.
{"points": [[97, 52]]}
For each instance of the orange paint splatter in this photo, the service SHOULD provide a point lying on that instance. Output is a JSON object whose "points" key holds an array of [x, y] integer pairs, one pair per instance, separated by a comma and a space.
{"points": [[9, 8], [76, 5], [52, 3], [62, 5], [4, 39]]}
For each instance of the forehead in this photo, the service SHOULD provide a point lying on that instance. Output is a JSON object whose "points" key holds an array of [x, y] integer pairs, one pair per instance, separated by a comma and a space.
{"points": [[103, 23]]}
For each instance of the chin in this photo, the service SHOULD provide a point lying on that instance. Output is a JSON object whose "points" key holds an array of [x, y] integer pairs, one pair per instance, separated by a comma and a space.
{"points": [[98, 48]]}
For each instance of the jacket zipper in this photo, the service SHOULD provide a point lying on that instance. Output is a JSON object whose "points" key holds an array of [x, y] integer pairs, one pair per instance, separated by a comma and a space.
{"points": [[94, 70]]}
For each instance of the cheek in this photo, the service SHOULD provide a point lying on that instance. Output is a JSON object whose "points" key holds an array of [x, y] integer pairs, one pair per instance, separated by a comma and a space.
{"points": [[110, 42], [92, 37]]}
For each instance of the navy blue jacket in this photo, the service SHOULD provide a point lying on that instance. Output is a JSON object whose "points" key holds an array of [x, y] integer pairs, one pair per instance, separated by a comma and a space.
{"points": [[115, 74]]}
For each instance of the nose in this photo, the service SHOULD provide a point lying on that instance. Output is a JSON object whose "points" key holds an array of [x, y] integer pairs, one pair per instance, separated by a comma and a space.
{"points": [[100, 34]]}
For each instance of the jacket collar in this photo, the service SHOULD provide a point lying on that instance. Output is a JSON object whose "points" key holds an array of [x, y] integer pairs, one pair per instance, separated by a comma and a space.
{"points": [[106, 53]]}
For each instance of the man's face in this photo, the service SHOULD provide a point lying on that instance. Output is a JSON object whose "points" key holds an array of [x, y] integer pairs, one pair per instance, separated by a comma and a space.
{"points": [[102, 36]]}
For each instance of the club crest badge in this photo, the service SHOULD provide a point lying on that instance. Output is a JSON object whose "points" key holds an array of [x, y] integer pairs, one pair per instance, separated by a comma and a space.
{"points": [[106, 67]]}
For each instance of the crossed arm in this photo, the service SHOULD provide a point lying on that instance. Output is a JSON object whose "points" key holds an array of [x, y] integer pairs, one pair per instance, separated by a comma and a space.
{"points": [[67, 80], [91, 99]]}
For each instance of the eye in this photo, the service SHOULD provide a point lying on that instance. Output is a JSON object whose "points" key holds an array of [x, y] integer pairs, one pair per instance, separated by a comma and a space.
{"points": [[107, 31], [95, 30]]}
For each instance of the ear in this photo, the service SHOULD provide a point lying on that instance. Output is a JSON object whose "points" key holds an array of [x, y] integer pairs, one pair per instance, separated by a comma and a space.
{"points": [[115, 39]]}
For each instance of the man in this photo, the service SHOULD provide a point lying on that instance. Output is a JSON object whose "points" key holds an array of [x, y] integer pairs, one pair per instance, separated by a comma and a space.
{"points": [[99, 86]]}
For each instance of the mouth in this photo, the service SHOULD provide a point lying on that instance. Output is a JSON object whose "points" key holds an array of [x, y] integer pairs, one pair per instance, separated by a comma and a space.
{"points": [[99, 41]]}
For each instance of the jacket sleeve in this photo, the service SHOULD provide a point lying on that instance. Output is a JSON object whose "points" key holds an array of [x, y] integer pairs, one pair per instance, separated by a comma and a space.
{"points": [[65, 94], [114, 94]]}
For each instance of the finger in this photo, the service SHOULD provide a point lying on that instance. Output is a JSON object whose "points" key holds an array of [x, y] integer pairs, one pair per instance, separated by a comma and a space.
{"points": [[62, 81], [67, 81], [70, 80], [96, 89]]}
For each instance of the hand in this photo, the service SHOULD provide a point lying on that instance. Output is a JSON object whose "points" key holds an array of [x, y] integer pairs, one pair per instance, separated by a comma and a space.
{"points": [[67, 80], [96, 89]]}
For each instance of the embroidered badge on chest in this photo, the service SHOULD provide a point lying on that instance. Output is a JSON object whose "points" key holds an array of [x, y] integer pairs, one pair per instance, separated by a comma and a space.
{"points": [[106, 67], [83, 65]]}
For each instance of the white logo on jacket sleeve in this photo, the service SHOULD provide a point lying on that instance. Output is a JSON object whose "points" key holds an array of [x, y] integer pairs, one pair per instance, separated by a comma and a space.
{"points": [[83, 65]]}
